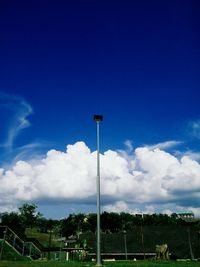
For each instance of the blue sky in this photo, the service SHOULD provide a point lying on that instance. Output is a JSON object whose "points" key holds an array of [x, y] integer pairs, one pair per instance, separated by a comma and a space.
{"points": [[135, 62]]}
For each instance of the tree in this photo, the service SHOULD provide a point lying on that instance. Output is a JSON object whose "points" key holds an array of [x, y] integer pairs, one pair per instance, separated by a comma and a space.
{"points": [[75, 224], [29, 215], [111, 222], [126, 220], [13, 220], [92, 221], [69, 226]]}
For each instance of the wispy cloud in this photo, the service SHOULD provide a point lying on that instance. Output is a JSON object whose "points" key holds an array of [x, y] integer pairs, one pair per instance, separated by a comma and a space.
{"points": [[27, 152], [165, 145], [31, 152], [20, 111], [129, 145], [194, 127]]}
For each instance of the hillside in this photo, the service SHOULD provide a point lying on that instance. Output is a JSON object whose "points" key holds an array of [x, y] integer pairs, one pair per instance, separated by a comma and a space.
{"points": [[9, 253], [176, 236]]}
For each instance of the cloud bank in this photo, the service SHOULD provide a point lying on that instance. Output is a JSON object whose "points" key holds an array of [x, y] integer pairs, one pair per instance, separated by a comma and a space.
{"points": [[145, 180]]}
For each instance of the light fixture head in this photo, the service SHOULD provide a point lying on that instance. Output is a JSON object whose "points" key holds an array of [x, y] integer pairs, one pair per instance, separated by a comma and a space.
{"points": [[98, 118]]}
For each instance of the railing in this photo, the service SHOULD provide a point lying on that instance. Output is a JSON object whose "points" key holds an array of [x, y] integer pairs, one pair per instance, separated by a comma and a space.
{"points": [[22, 247]]}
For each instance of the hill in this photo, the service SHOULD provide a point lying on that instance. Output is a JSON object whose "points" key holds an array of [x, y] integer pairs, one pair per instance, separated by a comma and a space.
{"points": [[176, 236], [9, 253]]}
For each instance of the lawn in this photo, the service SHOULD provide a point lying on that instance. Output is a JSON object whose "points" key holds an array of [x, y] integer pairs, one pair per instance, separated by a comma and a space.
{"points": [[106, 264]]}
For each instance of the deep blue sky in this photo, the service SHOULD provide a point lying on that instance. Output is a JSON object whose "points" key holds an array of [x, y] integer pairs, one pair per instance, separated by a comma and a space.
{"points": [[135, 62]]}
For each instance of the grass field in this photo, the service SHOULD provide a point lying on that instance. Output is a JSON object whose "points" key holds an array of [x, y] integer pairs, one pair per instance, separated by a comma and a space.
{"points": [[106, 264]]}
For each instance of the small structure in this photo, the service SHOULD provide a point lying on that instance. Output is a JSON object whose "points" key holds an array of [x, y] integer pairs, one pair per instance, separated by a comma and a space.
{"points": [[75, 249], [162, 252], [185, 215]]}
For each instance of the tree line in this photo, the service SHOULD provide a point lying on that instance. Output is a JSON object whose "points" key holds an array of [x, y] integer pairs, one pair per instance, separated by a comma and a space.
{"points": [[27, 216]]}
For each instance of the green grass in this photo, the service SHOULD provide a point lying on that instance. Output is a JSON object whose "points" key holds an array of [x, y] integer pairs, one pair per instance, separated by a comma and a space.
{"points": [[43, 238], [106, 264], [11, 254], [176, 238]]}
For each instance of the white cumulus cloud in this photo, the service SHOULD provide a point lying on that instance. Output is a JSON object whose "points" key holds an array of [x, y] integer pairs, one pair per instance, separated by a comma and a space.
{"points": [[145, 180]]}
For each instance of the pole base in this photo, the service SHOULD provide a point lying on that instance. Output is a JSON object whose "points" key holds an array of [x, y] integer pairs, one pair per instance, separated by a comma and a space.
{"points": [[98, 265]]}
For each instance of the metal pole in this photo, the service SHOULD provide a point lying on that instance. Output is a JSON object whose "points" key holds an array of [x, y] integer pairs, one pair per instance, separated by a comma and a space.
{"points": [[142, 239], [98, 203], [125, 245], [98, 119], [30, 249], [190, 245], [3, 243], [49, 248], [23, 248], [61, 246]]}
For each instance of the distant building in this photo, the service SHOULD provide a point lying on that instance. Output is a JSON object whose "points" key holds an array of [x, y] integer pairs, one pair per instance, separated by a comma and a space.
{"points": [[139, 215], [185, 215]]}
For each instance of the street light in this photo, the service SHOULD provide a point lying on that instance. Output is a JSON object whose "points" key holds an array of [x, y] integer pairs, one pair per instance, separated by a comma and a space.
{"points": [[50, 231], [125, 244], [98, 119]]}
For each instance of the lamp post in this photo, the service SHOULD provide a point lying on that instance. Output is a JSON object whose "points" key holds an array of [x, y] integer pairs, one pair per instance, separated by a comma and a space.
{"points": [[50, 231], [125, 245], [98, 119]]}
